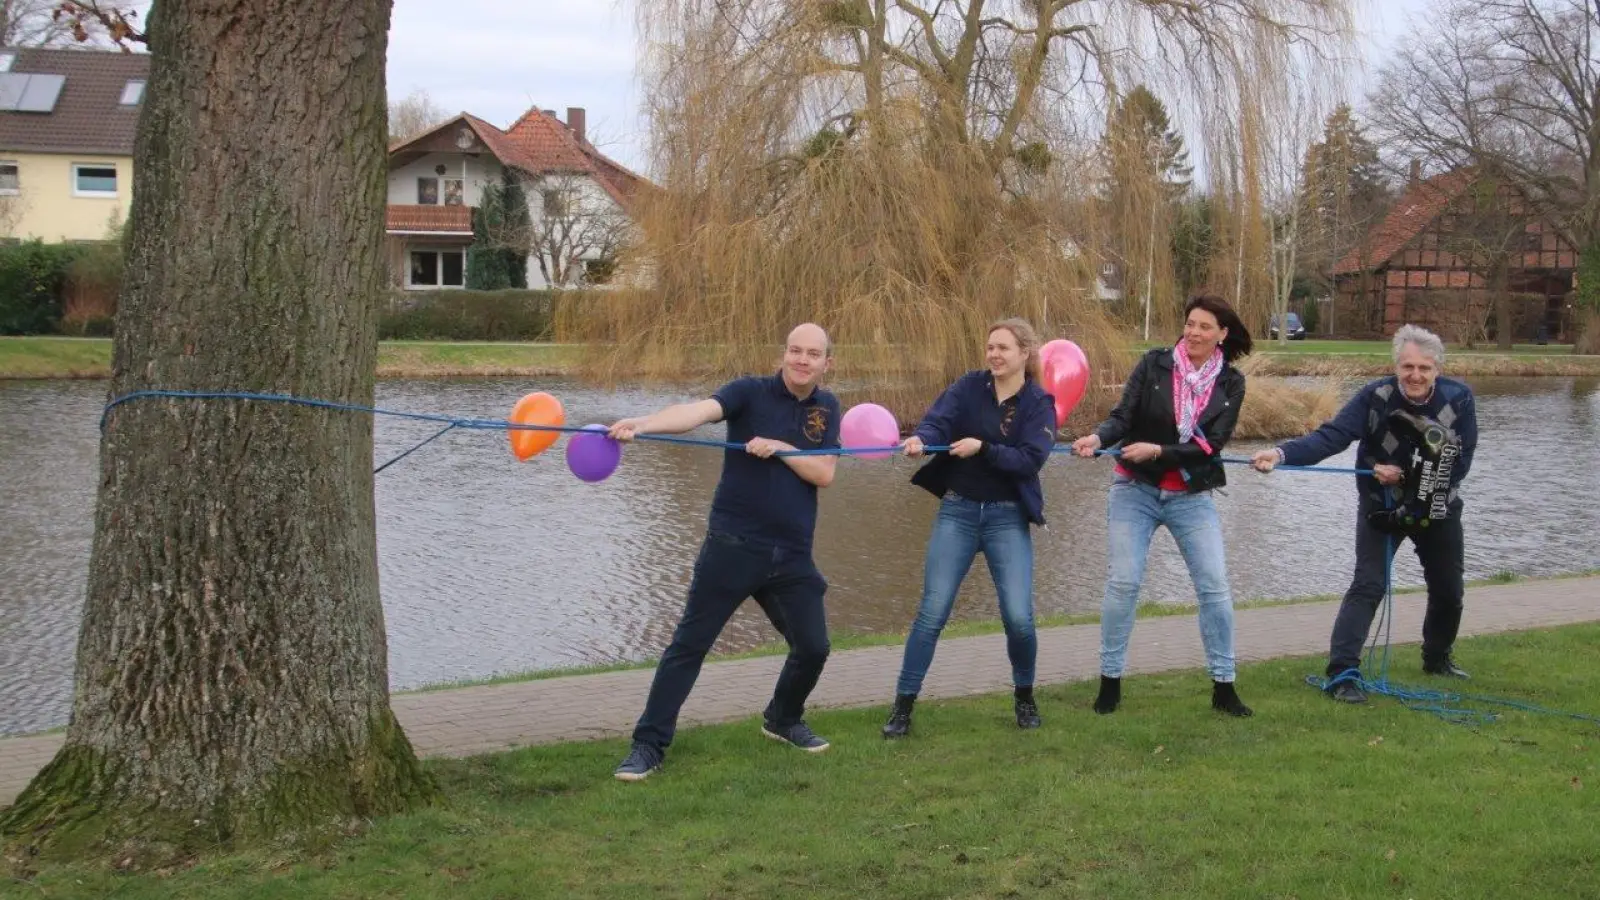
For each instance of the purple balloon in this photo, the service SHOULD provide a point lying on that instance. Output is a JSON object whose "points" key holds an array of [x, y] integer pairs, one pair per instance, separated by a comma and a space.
{"points": [[592, 455]]}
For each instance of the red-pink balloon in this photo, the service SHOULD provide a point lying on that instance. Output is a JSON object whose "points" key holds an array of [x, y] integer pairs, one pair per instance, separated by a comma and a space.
{"points": [[869, 425], [1065, 375]]}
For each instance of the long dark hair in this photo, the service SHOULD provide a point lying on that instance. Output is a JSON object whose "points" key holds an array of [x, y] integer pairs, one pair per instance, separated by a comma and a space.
{"points": [[1237, 343]]}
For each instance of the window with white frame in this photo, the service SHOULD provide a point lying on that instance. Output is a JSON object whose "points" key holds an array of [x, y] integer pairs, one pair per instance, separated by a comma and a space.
{"points": [[94, 180], [427, 191], [437, 269], [10, 178], [453, 194], [132, 93]]}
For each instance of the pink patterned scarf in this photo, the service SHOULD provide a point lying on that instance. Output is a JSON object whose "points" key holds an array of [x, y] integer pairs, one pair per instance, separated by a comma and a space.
{"points": [[1191, 390]]}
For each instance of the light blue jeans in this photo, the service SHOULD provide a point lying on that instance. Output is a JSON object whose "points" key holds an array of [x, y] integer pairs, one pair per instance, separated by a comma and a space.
{"points": [[1132, 515], [962, 528]]}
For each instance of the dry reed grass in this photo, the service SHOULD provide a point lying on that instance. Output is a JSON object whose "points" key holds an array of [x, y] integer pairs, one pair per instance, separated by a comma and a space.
{"points": [[1274, 409], [904, 175]]}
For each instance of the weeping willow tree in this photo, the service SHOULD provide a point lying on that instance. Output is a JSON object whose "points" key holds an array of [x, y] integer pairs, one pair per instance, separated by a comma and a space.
{"points": [[906, 172]]}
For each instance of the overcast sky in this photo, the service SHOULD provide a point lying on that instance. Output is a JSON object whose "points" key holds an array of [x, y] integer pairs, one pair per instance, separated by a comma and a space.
{"points": [[496, 59]]}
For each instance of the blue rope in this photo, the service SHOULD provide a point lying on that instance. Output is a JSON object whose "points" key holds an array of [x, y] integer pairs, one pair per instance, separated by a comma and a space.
{"points": [[451, 422], [1444, 704], [437, 434]]}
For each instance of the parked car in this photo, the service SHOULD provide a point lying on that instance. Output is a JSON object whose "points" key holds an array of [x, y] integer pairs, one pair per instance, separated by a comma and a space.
{"points": [[1297, 331]]}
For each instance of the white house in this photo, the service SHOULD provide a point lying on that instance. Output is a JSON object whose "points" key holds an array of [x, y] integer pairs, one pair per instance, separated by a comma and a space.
{"points": [[580, 201]]}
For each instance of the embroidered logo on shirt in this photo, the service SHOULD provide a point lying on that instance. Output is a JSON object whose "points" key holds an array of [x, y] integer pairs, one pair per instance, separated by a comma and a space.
{"points": [[816, 424]]}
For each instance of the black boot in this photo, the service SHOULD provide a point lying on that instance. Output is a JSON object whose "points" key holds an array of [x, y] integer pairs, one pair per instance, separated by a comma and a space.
{"points": [[1225, 699], [1027, 709], [899, 724], [1110, 695], [1443, 665]]}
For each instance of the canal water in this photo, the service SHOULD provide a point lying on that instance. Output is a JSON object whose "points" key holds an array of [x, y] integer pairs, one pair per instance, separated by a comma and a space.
{"points": [[490, 565]]}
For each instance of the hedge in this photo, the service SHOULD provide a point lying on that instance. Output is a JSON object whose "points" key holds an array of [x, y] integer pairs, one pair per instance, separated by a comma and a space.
{"points": [[33, 279], [509, 315], [41, 284]]}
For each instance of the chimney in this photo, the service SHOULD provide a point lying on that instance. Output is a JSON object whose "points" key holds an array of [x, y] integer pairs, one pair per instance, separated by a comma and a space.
{"points": [[1416, 173], [576, 121]]}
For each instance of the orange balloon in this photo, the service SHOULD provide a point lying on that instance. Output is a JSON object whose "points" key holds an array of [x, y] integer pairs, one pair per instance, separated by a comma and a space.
{"points": [[537, 408]]}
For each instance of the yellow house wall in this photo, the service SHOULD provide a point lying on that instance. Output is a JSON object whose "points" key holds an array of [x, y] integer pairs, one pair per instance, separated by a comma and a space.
{"points": [[45, 207]]}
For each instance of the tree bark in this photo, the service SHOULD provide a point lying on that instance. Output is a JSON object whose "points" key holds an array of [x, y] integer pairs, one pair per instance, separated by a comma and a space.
{"points": [[1586, 300], [1499, 281], [232, 676]]}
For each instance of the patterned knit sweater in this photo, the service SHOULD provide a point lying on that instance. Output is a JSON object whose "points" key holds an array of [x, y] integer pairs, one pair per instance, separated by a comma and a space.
{"points": [[1366, 419]]}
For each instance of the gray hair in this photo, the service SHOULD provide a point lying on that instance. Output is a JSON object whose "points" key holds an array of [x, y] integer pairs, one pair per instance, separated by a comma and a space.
{"points": [[1422, 338]]}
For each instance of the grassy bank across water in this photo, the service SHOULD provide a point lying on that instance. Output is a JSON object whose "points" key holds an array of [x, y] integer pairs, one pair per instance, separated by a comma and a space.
{"points": [[57, 357], [1163, 799]]}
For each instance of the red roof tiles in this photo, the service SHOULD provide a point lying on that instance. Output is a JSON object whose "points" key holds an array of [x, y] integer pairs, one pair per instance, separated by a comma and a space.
{"points": [[1420, 204]]}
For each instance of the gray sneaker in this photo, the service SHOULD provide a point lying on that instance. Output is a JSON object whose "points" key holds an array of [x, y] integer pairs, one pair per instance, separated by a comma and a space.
{"points": [[642, 760], [799, 734]]}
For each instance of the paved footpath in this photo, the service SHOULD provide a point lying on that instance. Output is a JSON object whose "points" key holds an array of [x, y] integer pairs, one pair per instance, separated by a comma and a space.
{"points": [[473, 720]]}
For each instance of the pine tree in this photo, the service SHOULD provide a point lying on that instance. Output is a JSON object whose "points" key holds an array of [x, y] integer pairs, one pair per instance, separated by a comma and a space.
{"points": [[1147, 173], [1142, 145], [1342, 196]]}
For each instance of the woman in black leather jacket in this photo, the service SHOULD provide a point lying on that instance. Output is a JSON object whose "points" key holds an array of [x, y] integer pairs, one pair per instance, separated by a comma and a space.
{"points": [[1178, 410]]}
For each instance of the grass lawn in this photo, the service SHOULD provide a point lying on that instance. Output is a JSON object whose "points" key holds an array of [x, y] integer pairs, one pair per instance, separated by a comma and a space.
{"points": [[1382, 348], [1163, 799], [57, 357], [50, 357]]}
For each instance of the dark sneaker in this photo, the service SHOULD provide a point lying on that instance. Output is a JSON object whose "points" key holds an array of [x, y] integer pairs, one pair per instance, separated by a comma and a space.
{"points": [[642, 760], [799, 734], [1027, 713], [1446, 667], [1347, 692]]}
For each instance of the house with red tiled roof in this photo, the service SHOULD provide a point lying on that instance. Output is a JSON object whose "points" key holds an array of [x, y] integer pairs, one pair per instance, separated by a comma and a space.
{"points": [[580, 201], [1416, 266], [67, 120]]}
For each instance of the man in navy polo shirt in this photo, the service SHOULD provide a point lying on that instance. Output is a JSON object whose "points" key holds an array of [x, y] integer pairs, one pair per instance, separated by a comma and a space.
{"points": [[758, 542]]}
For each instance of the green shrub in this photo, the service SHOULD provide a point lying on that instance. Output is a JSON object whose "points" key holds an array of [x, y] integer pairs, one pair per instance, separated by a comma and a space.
{"points": [[509, 315], [33, 276]]}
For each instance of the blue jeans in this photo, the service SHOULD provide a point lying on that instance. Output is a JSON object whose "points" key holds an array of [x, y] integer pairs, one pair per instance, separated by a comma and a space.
{"points": [[962, 528], [788, 588], [1132, 515]]}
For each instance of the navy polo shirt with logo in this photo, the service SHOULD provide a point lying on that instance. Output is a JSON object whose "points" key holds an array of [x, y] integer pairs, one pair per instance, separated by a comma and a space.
{"points": [[763, 500]]}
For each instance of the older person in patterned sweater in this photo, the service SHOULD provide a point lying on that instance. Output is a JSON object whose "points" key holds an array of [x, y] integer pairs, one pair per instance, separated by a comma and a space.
{"points": [[1417, 433]]}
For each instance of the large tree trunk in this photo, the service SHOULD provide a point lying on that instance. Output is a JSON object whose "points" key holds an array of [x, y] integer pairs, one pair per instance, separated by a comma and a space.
{"points": [[232, 668]]}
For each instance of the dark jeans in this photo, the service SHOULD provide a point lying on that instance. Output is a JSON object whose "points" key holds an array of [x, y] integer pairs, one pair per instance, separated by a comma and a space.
{"points": [[789, 589], [1440, 549]]}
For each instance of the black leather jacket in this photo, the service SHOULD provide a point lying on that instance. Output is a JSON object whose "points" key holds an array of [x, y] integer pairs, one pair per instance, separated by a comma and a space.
{"points": [[1145, 414]]}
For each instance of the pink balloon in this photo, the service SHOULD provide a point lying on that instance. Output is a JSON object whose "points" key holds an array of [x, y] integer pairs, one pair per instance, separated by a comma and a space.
{"points": [[1065, 376], [869, 425]]}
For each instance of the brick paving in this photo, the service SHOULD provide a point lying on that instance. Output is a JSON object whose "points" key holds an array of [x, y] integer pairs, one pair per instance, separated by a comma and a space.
{"points": [[489, 718]]}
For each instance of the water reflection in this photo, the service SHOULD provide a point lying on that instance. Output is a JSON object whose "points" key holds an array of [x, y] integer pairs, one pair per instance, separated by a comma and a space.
{"points": [[490, 565]]}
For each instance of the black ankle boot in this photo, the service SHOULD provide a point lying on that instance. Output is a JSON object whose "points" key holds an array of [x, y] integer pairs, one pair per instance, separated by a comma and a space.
{"points": [[899, 724], [1027, 710], [1225, 699], [1110, 695]]}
